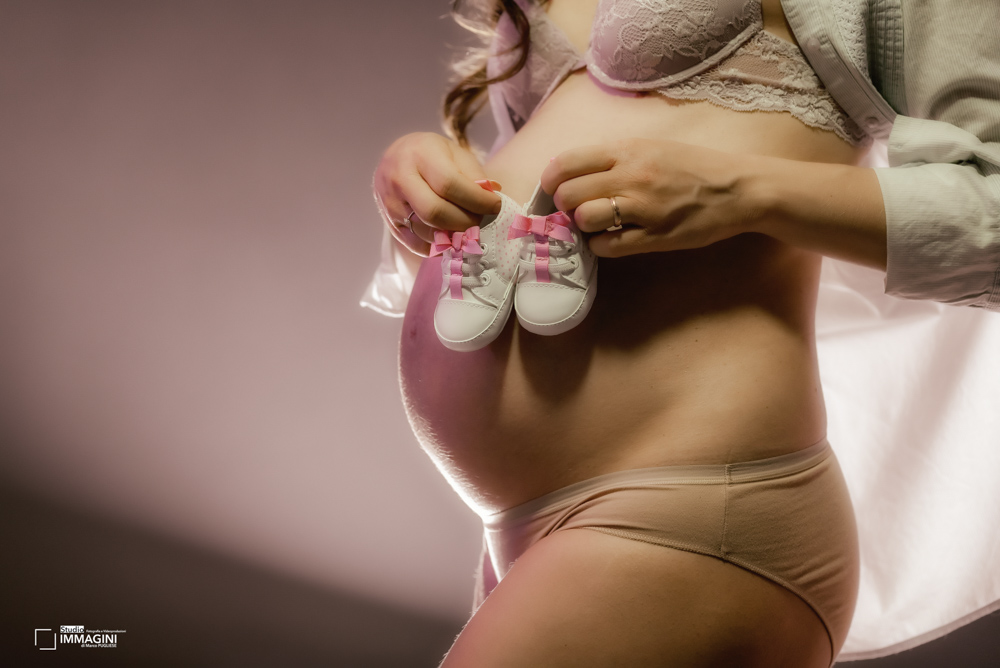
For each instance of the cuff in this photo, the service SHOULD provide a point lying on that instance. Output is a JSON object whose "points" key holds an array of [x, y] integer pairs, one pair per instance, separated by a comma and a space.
{"points": [[943, 233]]}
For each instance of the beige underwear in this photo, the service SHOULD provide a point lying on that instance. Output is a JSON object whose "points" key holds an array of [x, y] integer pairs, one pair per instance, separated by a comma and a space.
{"points": [[788, 519]]}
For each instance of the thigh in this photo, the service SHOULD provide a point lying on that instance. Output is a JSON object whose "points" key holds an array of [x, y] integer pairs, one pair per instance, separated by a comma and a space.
{"points": [[583, 598]]}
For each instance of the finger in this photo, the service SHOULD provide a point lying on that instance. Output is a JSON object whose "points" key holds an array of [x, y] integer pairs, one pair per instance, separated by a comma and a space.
{"points": [[420, 229], [450, 184], [470, 166], [407, 227], [575, 163], [627, 241], [435, 211], [598, 215], [572, 193], [408, 234], [490, 184], [412, 241]]}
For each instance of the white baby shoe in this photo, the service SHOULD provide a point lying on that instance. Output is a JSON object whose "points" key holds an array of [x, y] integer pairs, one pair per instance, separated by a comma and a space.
{"points": [[477, 286], [557, 272]]}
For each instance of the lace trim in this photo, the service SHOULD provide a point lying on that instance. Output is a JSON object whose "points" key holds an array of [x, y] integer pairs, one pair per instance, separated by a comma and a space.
{"points": [[854, 33], [798, 90]]}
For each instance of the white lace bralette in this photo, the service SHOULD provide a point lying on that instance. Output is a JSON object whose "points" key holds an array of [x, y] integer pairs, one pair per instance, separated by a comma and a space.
{"points": [[712, 50]]}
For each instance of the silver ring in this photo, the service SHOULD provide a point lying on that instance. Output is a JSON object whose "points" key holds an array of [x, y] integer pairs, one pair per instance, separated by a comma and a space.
{"points": [[618, 216], [407, 222]]}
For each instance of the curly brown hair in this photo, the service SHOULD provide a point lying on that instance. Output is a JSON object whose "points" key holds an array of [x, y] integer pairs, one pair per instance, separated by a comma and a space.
{"points": [[467, 97]]}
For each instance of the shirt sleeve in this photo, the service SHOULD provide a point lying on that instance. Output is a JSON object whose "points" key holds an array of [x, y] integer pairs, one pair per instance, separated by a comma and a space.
{"points": [[942, 201], [942, 189]]}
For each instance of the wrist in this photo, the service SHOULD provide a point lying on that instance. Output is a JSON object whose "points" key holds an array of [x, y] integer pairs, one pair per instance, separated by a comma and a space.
{"points": [[764, 204]]}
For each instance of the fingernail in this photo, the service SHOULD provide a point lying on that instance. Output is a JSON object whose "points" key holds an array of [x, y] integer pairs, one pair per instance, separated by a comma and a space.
{"points": [[485, 184]]}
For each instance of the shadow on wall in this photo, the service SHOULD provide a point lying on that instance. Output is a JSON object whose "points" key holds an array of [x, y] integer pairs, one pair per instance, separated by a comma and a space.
{"points": [[181, 606]]}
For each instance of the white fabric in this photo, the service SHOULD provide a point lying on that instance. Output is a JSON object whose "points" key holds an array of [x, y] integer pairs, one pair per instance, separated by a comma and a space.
{"points": [[390, 287], [912, 390]]}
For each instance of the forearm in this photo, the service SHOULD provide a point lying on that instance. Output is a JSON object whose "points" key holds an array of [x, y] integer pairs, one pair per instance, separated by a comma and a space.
{"points": [[834, 210]]}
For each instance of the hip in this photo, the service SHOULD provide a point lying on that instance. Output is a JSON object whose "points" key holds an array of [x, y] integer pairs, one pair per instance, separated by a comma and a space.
{"points": [[788, 519]]}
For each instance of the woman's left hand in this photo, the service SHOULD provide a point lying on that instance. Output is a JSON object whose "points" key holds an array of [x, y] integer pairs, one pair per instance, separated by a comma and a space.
{"points": [[670, 195]]}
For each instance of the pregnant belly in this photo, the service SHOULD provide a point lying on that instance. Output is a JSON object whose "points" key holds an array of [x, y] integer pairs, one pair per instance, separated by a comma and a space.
{"points": [[701, 356]]}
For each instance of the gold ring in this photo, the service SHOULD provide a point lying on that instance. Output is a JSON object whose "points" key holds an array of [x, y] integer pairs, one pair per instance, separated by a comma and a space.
{"points": [[618, 216]]}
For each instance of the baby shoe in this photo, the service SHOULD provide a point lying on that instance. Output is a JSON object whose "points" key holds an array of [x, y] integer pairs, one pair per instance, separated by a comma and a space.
{"points": [[477, 286], [557, 273]]}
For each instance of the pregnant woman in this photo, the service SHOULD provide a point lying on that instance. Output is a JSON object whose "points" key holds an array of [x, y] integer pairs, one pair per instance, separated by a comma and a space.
{"points": [[655, 483]]}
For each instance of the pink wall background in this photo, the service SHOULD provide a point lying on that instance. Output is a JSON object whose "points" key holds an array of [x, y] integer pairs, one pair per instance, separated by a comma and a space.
{"points": [[186, 227]]}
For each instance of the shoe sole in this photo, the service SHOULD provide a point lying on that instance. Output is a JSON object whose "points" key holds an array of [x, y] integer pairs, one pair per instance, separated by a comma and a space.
{"points": [[488, 335], [569, 322]]}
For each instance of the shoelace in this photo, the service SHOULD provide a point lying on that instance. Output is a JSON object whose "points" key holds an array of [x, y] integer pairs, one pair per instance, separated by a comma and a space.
{"points": [[556, 226], [460, 244]]}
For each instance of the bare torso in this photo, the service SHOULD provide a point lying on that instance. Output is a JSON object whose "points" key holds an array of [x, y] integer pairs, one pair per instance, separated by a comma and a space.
{"points": [[701, 356]]}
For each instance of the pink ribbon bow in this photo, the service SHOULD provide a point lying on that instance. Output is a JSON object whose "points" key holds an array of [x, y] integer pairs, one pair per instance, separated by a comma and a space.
{"points": [[458, 242], [555, 225]]}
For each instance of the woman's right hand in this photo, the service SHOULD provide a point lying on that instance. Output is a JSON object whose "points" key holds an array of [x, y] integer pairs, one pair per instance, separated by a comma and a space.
{"points": [[434, 178]]}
